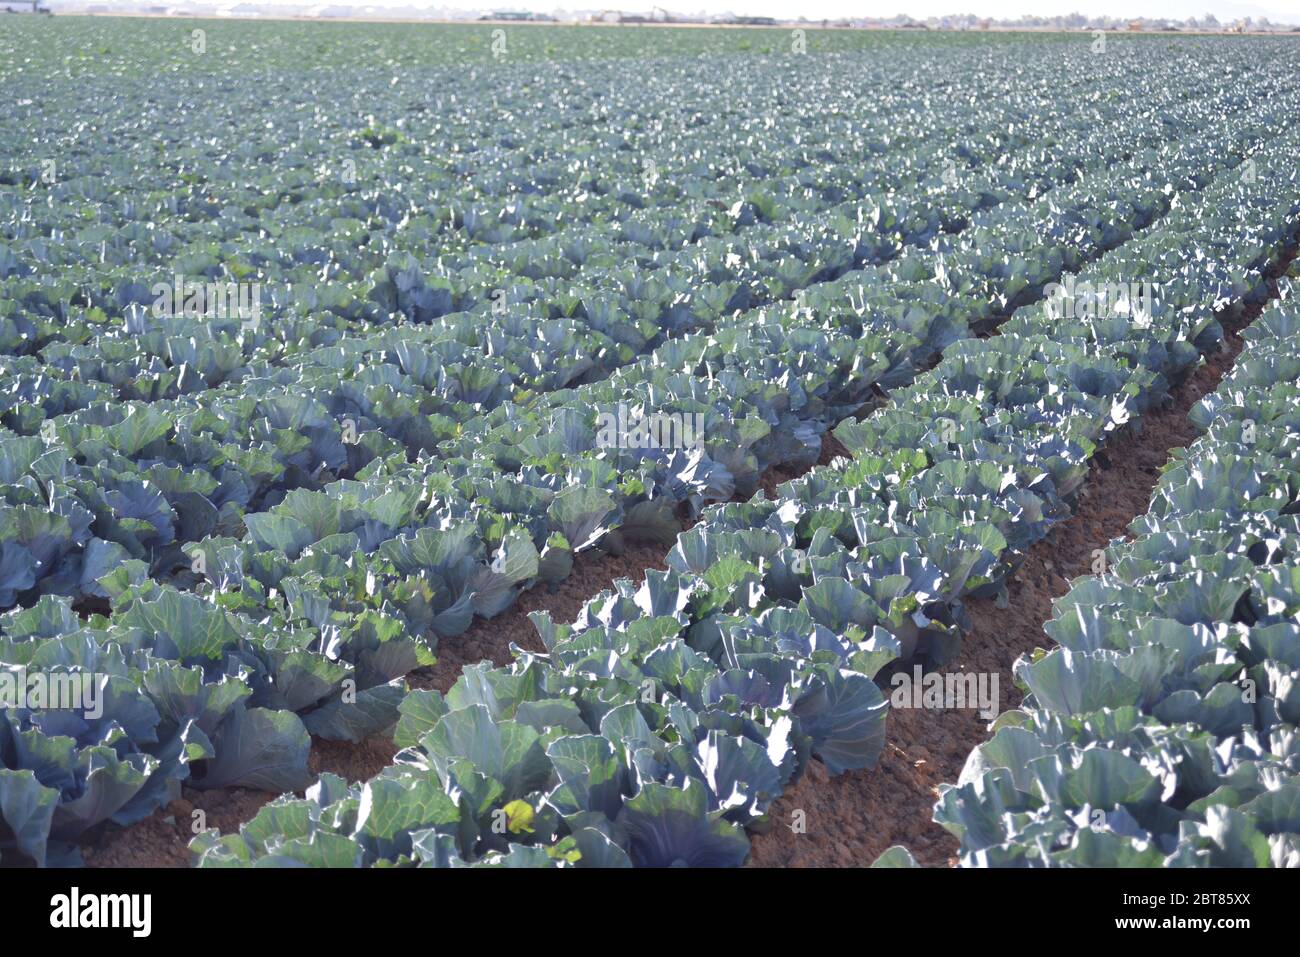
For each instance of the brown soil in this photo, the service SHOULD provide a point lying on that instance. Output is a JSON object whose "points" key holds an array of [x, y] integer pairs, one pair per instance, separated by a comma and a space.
{"points": [[777, 475], [355, 762], [490, 639], [923, 748], [851, 819], [162, 839]]}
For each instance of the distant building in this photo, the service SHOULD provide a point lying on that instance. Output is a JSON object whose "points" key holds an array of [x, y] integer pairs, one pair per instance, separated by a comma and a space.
{"points": [[519, 15]]}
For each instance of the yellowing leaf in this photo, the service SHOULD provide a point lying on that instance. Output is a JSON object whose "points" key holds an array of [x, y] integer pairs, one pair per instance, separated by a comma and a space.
{"points": [[519, 817]]}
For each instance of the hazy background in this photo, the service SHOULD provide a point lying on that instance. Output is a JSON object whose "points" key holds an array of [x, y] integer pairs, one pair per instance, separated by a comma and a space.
{"points": [[1224, 10], [1285, 11]]}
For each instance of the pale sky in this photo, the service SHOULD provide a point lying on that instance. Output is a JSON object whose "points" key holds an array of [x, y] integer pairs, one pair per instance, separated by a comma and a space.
{"points": [[1278, 11], [1283, 11]]}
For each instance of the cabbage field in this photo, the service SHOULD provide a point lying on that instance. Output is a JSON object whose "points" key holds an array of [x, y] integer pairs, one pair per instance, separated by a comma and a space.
{"points": [[479, 445]]}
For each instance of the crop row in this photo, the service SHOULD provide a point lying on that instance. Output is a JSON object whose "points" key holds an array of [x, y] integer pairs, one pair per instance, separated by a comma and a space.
{"points": [[1160, 731], [379, 288], [671, 713], [223, 676], [272, 561], [168, 473], [568, 172], [331, 410], [452, 367]]}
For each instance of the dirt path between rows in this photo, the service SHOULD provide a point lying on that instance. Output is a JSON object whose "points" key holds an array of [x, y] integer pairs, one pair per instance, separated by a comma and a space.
{"points": [[851, 819], [162, 839]]}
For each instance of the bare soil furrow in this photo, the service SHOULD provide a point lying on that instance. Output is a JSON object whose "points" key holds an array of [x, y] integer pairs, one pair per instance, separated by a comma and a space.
{"points": [[849, 820], [852, 818]]}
